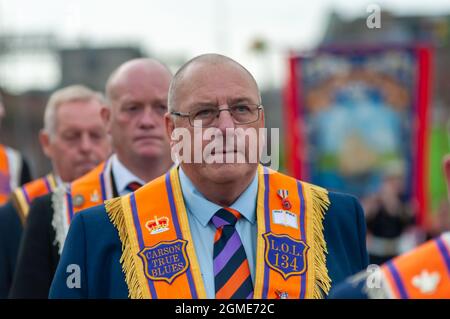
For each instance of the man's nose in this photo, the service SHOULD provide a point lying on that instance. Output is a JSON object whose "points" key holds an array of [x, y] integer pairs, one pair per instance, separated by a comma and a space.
{"points": [[86, 143], [225, 120], [147, 118]]}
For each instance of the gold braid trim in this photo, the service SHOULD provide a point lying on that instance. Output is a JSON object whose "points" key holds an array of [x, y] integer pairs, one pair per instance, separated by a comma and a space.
{"points": [[320, 203], [117, 216], [20, 204]]}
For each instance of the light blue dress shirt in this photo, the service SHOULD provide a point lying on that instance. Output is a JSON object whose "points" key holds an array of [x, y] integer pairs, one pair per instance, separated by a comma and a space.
{"points": [[200, 211], [123, 176]]}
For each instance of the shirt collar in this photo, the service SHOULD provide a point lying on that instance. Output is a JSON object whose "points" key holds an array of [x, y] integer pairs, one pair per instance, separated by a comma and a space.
{"points": [[122, 175], [204, 210], [58, 180]]}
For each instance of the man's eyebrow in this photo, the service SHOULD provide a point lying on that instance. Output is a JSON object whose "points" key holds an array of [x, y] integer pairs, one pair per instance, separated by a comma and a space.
{"points": [[214, 103], [129, 99], [239, 100], [196, 105]]}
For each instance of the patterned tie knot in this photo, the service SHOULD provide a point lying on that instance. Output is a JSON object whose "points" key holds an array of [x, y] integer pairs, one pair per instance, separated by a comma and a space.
{"points": [[134, 186], [225, 217]]}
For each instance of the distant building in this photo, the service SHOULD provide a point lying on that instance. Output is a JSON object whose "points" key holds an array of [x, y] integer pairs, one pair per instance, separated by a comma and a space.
{"points": [[21, 126], [92, 66], [24, 111]]}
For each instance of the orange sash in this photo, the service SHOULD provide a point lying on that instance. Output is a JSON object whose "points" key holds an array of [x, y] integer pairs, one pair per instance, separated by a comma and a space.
{"points": [[23, 196], [159, 259], [422, 273], [89, 190], [5, 187], [10, 171]]}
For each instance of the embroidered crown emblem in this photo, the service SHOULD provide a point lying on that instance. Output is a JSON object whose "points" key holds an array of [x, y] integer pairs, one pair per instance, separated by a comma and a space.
{"points": [[157, 225]]}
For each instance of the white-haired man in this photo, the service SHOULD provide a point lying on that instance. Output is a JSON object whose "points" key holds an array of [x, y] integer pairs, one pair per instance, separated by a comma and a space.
{"points": [[74, 139]]}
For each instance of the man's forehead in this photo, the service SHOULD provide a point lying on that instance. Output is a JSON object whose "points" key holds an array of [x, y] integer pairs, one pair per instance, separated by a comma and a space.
{"points": [[73, 112], [142, 79], [204, 80], [78, 105], [204, 70], [139, 80]]}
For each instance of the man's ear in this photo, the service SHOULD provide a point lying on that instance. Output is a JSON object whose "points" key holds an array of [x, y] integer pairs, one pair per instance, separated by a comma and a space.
{"points": [[105, 113], [446, 165], [170, 126], [263, 118], [44, 139]]}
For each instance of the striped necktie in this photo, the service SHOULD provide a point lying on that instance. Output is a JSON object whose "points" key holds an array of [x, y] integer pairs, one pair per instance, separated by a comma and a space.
{"points": [[133, 186], [231, 271]]}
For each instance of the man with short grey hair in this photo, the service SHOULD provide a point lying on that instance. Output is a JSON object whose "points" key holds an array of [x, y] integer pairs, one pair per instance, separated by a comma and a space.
{"points": [[74, 139], [83, 150]]}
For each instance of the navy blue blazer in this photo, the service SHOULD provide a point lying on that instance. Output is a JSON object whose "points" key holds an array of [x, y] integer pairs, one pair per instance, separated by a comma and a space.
{"points": [[94, 247], [353, 287], [10, 234]]}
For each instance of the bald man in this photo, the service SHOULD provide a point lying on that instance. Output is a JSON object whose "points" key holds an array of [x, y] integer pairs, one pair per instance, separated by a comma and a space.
{"points": [[211, 228], [136, 104]]}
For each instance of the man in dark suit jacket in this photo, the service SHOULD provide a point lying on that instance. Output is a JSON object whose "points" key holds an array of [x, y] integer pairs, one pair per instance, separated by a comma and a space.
{"points": [[40, 248], [216, 209], [14, 169], [18, 172], [74, 139], [10, 225], [38, 259]]}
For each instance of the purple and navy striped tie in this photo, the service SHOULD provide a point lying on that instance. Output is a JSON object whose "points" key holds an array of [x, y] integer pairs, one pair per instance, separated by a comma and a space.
{"points": [[231, 270]]}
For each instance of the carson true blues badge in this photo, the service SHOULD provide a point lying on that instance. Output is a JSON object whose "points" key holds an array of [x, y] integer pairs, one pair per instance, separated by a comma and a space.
{"points": [[285, 254], [166, 260]]}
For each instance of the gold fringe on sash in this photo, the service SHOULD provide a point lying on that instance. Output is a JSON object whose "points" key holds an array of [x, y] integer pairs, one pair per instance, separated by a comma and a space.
{"points": [[20, 204], [116, 215], [320, 203]]}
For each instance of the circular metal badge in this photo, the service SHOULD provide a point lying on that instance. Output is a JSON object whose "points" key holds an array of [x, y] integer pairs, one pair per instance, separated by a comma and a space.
{"points": [[78, 200]]}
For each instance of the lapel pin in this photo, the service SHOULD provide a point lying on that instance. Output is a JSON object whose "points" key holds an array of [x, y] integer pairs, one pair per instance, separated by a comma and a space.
{"points": [[78, 200], [281, 294], [283, 194]]}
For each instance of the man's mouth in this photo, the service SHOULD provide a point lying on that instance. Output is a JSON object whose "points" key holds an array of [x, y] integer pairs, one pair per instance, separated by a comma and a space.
{"points": [[87, 165], [223, 152], [147, 138]]}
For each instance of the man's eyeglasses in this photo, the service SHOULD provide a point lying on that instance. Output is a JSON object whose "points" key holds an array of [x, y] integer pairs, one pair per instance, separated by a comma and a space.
{"points": [[242, 113]]}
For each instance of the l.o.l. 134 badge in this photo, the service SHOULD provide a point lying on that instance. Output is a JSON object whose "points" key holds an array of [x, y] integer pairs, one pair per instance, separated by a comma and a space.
{"points": [[285, 254]]}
